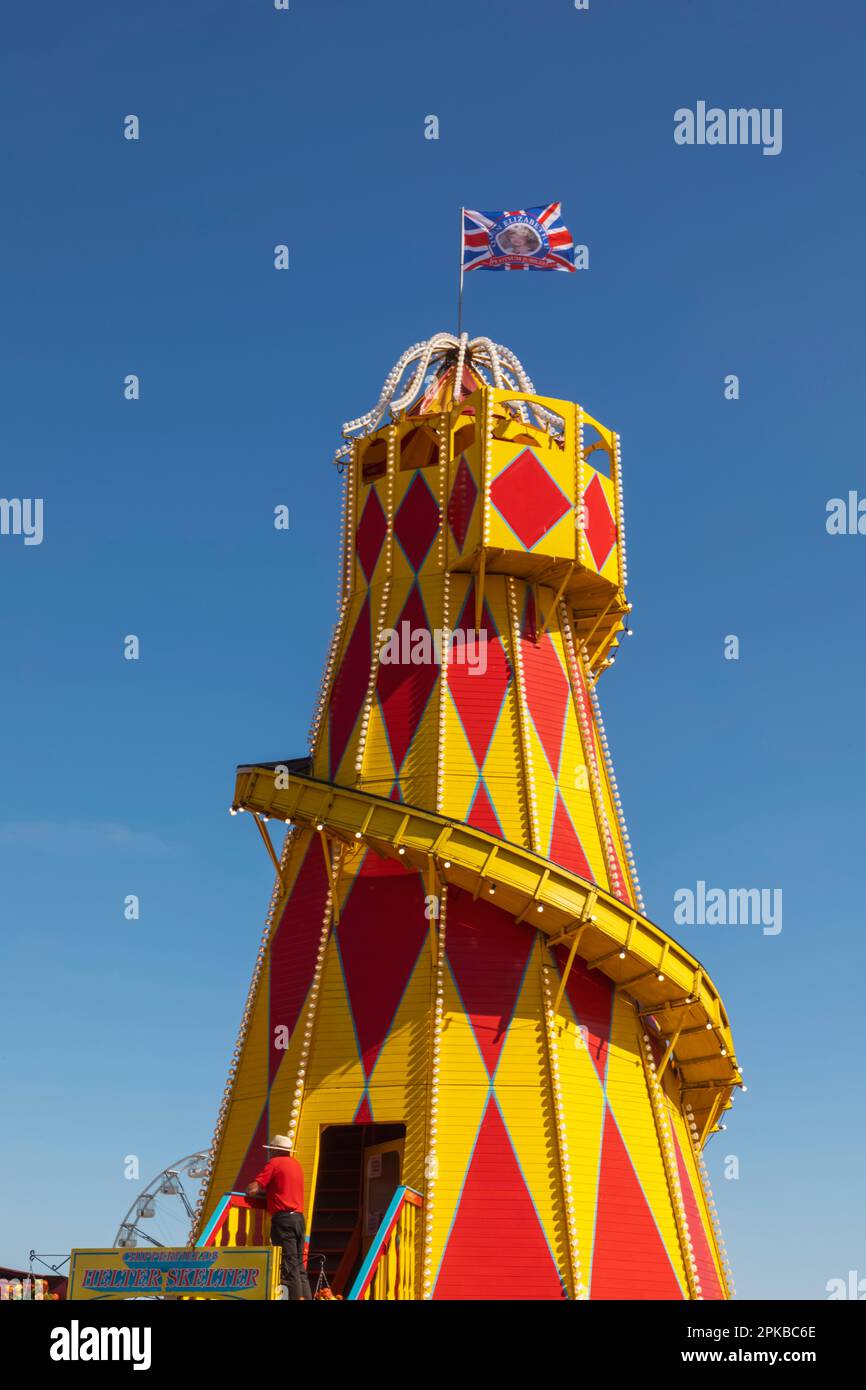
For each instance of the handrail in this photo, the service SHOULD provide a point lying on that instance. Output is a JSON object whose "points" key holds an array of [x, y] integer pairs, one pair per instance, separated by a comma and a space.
{"points": [[216, 1231], [388, 1234]]}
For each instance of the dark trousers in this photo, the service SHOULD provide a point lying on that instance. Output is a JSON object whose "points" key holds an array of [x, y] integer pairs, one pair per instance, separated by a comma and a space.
{"points": [[287, 1231]]}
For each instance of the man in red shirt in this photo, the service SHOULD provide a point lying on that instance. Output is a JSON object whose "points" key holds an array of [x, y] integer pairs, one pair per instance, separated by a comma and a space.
{"points": [[281, 1183]]}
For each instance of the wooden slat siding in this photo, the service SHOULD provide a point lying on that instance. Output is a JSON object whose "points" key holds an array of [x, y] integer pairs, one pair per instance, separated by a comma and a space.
{"points": [[598, 760], [496, 1248], [505, 789], [336, 1063], [559, 539], [708, 1274], [398, 1087], [250, 1086], [583, 1106], [245, 1110], [615, 831], [589, 827], [707, 1255], [378, 767], [458, 790], [609, 1075], [630, 1260], [629, 1102], [352, 675], [291, 963], [464, 1079], [548, 705], [524, 1093], [578, 800], [321, 751], [418, 771], [610, 568], [481, 697], [335, 1081], [514, 1148], [292, 953], [381, 935]]}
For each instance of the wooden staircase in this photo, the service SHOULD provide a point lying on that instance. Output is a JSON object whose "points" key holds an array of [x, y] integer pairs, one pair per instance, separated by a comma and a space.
{"points": [[335, 1231]]}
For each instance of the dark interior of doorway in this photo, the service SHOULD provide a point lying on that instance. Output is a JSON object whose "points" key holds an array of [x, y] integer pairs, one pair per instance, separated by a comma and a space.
{"points": [[335, 1229]]}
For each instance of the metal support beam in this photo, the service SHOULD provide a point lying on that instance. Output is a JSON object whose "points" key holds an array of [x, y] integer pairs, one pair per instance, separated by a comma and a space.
{"points": [[669, 1052], [269, 847], [585, 920], [568, 964], [549, 614], [601, 651], [711, 1118], [600, 619]]}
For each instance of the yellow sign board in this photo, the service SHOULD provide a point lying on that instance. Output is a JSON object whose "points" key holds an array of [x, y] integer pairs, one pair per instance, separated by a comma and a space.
{"points": [[244, 1272]]}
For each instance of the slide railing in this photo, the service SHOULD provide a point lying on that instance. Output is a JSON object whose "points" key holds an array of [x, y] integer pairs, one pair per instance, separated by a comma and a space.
{"points": [[389, 1268], [237, 1221]]}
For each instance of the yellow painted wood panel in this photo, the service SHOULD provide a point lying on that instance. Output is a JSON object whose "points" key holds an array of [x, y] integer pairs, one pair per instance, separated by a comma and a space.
{"points": [[629, 1101]]}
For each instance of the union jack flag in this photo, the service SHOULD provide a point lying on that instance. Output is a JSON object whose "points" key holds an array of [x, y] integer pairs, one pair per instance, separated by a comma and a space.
{"points": [[528, 239]]}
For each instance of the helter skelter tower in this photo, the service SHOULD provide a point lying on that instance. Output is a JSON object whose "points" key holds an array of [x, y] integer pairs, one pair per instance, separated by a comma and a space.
{"points": [[458, 992]]}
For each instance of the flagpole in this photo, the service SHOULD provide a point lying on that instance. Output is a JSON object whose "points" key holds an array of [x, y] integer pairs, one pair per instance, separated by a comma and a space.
{"points": [[460, 290]]}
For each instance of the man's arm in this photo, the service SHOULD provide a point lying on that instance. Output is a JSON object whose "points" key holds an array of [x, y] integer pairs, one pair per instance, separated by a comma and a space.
{"points": [[255, 1189]]}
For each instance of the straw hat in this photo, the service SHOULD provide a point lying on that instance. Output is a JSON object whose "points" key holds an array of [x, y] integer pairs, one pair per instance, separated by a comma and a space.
{"points": [[279, 1141]]}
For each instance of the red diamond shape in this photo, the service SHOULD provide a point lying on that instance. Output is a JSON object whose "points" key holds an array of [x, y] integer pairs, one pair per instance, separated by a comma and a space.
{"points": [[487, 952], [494, 1184], [565, 846], [371, 533], [349, 689], [461, 503], [478, 698], [404, 689], [482, 813], [417, 521], [599, 525], [528, 498], [382, 930], [546, 686]]}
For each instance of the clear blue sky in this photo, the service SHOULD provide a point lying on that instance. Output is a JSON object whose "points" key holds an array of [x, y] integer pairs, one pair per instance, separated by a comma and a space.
{"points": [[156, 257]]}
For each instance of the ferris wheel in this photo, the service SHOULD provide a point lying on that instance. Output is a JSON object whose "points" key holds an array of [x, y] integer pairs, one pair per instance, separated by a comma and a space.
{"points": [[162, 1213]]}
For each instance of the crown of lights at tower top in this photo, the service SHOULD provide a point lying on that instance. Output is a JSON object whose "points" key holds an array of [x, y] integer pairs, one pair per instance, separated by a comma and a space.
{"points": [[493, 363]]}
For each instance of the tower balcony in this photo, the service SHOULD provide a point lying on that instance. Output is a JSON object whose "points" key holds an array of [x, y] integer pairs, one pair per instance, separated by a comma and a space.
{"points": [[525, 485]]}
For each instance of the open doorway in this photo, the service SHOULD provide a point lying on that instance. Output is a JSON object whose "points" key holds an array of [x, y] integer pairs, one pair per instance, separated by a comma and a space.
{"points": [[359, 1168]]}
